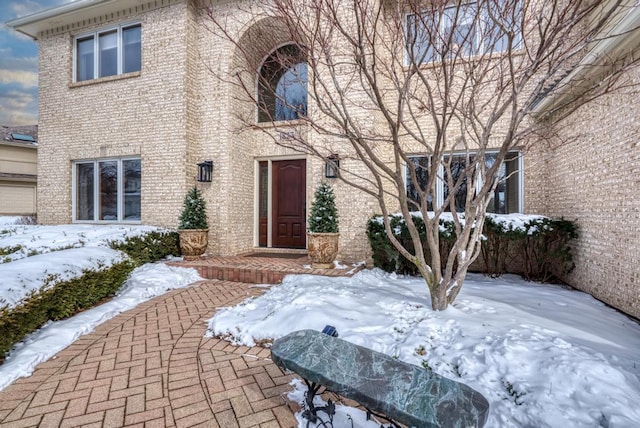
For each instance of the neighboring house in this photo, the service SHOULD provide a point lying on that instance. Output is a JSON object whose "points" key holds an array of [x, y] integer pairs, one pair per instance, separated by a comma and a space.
{"points": [[129, 105], [18, 169]]}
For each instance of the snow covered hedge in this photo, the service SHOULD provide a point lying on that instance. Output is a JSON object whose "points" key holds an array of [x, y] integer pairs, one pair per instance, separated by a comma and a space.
{"points": [[533, 246], [80, 284]]}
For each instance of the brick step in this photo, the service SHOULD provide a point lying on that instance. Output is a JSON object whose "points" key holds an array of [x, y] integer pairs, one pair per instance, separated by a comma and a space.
{"points": [[256, 270], [237, 274]]}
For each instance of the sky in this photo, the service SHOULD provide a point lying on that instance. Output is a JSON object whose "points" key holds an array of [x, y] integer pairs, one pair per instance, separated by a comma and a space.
{"points": [[19, 64]]}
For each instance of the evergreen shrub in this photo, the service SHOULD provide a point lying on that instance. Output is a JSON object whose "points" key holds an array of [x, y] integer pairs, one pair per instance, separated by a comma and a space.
{"points": [[149, 247], [323, 217], [538, 251], [61, 299], [194, 211]]}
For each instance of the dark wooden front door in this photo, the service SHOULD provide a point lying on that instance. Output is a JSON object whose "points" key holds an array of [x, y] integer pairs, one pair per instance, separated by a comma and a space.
{"points": [[289, 180]]}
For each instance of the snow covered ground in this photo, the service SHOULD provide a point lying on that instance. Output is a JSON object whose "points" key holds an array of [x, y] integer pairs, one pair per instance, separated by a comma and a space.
{"points": [[47, 254], [543, 355]]}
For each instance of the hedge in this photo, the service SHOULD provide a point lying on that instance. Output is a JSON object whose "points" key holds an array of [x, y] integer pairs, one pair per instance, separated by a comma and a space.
{"points": [[149, 247], [538, 250], [61, 299]]}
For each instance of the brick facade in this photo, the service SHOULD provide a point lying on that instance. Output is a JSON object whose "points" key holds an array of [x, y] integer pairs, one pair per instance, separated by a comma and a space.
{"points": [[595, 177], [140, 114], [177, 112]]}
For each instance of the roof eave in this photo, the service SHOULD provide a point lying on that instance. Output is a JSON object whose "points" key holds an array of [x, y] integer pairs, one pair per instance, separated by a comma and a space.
{"points": [[621, 41], [24, 145], [32, 24]]}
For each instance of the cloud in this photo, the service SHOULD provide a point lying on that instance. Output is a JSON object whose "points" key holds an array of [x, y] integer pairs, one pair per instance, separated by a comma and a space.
{"points": [[26, 7], [18, 108], [26, 79], [10, 62]]}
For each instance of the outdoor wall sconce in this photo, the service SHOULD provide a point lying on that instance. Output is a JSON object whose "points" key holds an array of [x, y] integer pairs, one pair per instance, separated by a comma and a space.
{"points": [[205, 169], [331, 166]]}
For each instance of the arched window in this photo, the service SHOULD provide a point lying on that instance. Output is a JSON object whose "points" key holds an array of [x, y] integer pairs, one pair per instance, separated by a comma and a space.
{"points": [[282, 85]]}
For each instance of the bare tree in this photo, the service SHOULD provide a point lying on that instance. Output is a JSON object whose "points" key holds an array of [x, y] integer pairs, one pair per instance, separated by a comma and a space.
{"points": [[455, 82]]}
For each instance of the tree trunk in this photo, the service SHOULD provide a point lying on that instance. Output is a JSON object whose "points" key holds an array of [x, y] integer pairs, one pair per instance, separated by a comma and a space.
{"points": [[439, 300]]}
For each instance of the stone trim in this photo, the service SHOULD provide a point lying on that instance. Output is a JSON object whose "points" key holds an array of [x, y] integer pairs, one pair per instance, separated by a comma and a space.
{"points": [[105, 79]]}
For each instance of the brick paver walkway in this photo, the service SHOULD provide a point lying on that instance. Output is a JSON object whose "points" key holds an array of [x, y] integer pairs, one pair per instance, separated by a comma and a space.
{"points": [[152, 367]]}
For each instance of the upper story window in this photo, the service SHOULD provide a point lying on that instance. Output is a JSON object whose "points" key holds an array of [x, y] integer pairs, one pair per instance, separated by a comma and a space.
{"points": [[282, 85], [108, 52], [505, 199], [465, 29]]}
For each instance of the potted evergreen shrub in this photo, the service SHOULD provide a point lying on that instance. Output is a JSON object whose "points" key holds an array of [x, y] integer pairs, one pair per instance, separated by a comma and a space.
{"points": [[323, 228], [193, 229]]}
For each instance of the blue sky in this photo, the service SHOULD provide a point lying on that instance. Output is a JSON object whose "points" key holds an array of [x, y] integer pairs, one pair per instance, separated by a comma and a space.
{"points": [[19, 64]]}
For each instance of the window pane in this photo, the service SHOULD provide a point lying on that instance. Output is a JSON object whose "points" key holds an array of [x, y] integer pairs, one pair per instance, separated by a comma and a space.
{"points": [[291, 93], [459, 25], [459, 177], [421, 165], [108, 185], [283, 85], [500, 15], [132, 53], [467, 29], [132, 186], [418, 39], [512, 191], [84, 191], [108, 53], [506, 196], [84, 59], [497, 200], [264, 190]]}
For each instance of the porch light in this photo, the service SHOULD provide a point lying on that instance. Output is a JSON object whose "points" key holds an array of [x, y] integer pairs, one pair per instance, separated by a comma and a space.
{"points": [[331, 166], [204, 171]]}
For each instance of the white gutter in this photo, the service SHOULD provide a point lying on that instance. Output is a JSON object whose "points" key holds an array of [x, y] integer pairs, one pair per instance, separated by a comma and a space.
{"points": [[617, 43], [70, 13]]}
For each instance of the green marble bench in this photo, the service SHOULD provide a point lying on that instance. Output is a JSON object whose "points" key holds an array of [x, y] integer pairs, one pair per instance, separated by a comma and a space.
{"points": [[401, 392]]}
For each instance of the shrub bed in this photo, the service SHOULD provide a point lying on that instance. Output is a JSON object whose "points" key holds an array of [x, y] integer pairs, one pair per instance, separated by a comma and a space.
{"points": [[149, 247], [61, 299], [537, 248]]}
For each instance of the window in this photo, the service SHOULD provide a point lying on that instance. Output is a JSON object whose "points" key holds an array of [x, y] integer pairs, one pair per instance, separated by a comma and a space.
{"points": [[505, 199], [421, 166], [107, 190], [282, 85], [108, 53], [464, 30]]}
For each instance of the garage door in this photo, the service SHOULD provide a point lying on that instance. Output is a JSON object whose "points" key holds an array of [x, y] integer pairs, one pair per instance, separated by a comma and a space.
{"points": [[17, 200]]}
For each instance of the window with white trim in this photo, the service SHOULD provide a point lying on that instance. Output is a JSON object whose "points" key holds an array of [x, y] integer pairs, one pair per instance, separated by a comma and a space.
{"points": [[468, 29], [505, 199], [107, 190], [108, 52]]}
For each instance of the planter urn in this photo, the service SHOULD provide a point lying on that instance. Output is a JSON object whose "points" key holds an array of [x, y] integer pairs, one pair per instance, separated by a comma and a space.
{"points": [[323, 249], [193, 242]]}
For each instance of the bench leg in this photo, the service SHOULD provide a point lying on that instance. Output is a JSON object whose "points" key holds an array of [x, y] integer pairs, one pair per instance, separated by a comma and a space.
{"points": [[311, 412], [392, 423]]}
